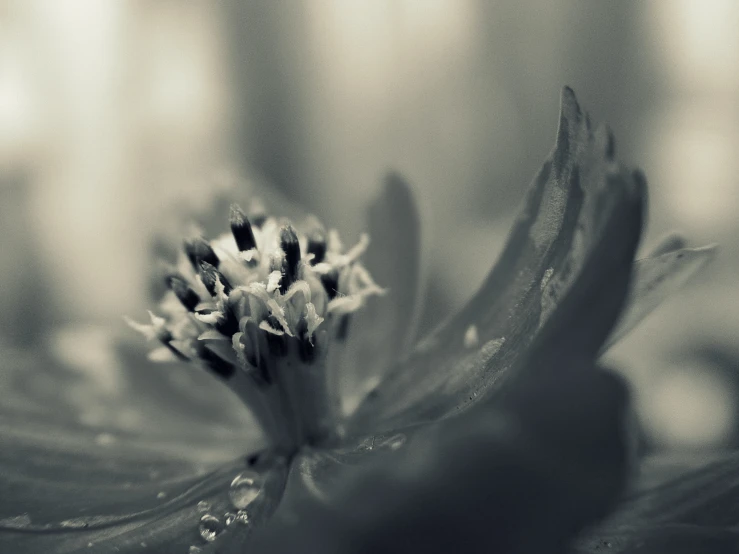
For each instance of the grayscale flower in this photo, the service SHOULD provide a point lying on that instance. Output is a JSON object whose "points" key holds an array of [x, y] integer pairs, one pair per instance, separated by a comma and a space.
{"points": [[317, 339]]}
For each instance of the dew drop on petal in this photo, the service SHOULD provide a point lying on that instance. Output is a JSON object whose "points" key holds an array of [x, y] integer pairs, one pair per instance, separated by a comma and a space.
{"points": [[245, 487], [161, 495], [203, 506], [229, 518], [210, 527], [194, 550]]}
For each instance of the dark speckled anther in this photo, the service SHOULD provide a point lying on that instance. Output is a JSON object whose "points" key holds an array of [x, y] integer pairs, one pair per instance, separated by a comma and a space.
{"points": [[291, 247], [210, 276], [199, 250], [184, 293], [241, 229]]}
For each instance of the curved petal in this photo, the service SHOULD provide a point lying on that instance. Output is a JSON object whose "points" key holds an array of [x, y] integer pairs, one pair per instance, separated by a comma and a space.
{"points": [[696, 512], [579, 227], [656, 278], [522, 475], [68, 479], [66, 490], [382, 332]]}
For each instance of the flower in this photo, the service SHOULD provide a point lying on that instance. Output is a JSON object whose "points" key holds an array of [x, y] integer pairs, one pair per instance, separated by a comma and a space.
{"points": [[284, 316]]}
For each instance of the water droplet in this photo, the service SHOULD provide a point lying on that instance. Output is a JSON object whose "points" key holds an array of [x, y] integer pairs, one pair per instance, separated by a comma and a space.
{"points": [[203, 506], [229, 517], [210, 527], [90, 545], [161, 495], [242, 517], [245, 487], [194, 550]]}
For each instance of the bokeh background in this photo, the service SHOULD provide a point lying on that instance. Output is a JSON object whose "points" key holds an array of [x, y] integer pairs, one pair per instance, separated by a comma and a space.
{"points": [[112, 112]]}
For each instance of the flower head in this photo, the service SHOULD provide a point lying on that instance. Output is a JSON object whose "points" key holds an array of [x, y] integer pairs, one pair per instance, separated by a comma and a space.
{"points": [[286, 316], [260, 307]]}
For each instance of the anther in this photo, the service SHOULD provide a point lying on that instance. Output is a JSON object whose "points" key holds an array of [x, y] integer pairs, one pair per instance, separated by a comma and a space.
{"points": [[291, 247], [229, 325], [210, 277], [317, 245], [184, 293], [330, 281], [241, 229], [198, 250]]}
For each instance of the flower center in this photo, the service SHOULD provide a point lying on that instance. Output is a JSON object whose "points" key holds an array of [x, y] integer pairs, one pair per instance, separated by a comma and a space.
{"points": [[260, 307]]}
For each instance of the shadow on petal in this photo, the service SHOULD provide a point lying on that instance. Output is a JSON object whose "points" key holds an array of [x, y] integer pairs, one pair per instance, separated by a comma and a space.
{"points": [[522, 475], [578, 228]]}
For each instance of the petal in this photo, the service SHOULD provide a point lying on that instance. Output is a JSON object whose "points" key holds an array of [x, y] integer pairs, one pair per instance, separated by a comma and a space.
{"points": [[66, 490], [520, 476], [383, 330], [578, 229], [72, 472], [656, 278], [696, 512]]}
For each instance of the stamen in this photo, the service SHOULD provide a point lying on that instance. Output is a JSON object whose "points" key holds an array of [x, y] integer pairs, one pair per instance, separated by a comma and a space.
{"points": [[184, 293], [291, 247], [330, 281], [317, 244], [198, 250], [211, 277], [241, 229], [269, 320]]}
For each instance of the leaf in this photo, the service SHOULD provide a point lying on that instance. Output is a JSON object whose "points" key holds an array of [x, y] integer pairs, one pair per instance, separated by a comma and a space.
{"points": [[578, 228], [520, 476], [657, 278]]}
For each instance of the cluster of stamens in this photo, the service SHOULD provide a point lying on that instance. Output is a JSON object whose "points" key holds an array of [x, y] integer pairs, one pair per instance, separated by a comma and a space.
{"points": [[259, 306]]}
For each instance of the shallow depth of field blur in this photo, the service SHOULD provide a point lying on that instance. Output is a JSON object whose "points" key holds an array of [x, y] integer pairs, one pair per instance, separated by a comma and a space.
{"points": [[110, 112]]}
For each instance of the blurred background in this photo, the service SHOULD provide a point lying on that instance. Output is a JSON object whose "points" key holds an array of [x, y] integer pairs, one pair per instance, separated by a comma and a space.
{"points": [[111, 112]]}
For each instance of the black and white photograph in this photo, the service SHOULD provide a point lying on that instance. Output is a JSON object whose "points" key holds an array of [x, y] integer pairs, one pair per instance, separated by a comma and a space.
{"points": [[369, 277]]}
